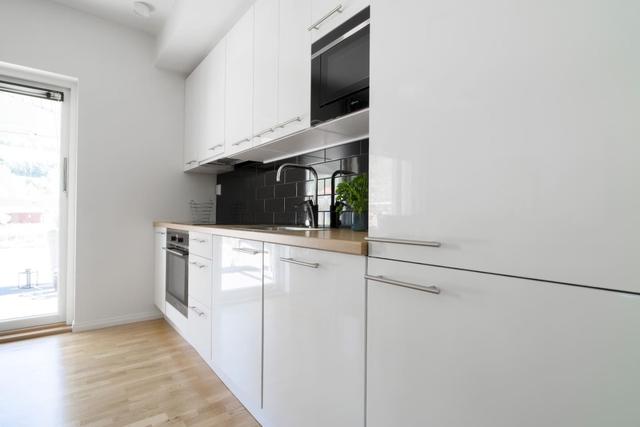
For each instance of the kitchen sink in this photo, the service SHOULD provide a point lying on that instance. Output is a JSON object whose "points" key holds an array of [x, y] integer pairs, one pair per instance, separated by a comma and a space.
{"points": [[272, 228]]}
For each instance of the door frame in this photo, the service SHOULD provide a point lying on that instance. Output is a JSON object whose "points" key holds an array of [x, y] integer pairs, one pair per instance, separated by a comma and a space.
{"points": [[68, 201]]}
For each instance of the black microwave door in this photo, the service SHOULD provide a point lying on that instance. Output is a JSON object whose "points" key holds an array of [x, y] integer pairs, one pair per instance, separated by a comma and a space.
{"points": [[339, 74]]}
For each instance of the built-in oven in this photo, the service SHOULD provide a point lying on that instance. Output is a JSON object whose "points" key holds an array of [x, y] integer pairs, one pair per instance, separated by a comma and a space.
{"points": [[340, 70], [177, 278]]}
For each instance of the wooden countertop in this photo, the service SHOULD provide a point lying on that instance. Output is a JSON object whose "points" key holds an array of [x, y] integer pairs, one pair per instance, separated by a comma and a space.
{"points": [[334, 240]]}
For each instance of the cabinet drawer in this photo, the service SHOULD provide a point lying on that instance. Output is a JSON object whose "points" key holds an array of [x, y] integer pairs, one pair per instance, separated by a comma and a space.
{"points": [[200, 279], [201, 244], [199, 322], [508, 351]]}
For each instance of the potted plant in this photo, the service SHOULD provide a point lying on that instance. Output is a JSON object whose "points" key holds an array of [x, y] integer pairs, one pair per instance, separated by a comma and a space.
{"points": [[354, 193]]}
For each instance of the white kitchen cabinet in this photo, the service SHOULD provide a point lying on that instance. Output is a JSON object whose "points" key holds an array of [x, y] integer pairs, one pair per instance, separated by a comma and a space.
{"points": [[201, 244], [511, 141], [193, 117], [204, 109], [199, 328], [200, 279], [213, 145], [336, 12], [239, 90], [265, 70], [314, 308], [294, 67], [160, 272], [495, 351], [237, 319], [282, 83]]}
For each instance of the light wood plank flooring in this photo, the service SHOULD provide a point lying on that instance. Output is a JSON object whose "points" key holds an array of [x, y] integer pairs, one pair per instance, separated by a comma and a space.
{"points": [[143, 374]]}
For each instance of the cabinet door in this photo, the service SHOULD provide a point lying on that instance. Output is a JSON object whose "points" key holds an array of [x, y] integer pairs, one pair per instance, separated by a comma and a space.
{"points": [[237, 320], [265, 70], [239, 99], [212, 145], [313, 338], [524, 161], [199, 328], [498, 351], [160, 272], [322, 8], [194, 102], [294, 69], [200, 279]]}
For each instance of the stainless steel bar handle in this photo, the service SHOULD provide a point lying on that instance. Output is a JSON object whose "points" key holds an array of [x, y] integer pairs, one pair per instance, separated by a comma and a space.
{"points": [[197, 264], [171, 251], [216, 146], [199, 312], [235, 144], [247, 251], [295, 119], [337, 9], [259, 134], [190, 162], [199, 240], [303, 263], [403, 242], [382, 279]]}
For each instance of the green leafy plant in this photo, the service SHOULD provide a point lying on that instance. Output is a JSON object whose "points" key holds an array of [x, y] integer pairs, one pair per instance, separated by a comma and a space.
{"points": [[354, 193]]}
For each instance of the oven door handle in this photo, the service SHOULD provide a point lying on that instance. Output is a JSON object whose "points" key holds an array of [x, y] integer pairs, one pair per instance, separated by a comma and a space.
{"points": [[171, 251]]}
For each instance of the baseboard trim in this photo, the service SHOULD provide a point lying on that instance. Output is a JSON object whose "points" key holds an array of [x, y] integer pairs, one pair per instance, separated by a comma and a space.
{"points": [[115, 321]]}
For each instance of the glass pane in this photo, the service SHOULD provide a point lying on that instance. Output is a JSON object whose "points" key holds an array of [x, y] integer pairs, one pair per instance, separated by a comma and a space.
{"points": [[30, 135]]}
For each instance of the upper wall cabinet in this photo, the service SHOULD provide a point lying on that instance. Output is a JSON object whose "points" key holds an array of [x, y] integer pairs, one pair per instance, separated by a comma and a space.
{"points": [[524, 161], [282, 81], [294, 67], [239, 99], [204, 109], [265, 69], [326, 15]]}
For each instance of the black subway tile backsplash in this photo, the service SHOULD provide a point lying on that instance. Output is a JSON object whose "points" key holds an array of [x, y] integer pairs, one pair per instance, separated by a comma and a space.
{"points": [[251, 195], [265, 192], [286, 190]]}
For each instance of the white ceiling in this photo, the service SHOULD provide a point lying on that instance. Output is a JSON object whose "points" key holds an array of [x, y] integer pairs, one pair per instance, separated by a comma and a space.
{"points": [[121, 11], [185, 30], [193, 29]]}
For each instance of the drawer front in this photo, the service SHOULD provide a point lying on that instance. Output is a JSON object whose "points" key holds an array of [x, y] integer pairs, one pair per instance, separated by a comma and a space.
{"points": [[200, 328], [201, 244], [200, 279], [511, 352]]}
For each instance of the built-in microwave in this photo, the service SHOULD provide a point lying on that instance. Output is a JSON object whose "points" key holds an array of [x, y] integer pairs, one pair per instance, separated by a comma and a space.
{"points": [[340, 70]]}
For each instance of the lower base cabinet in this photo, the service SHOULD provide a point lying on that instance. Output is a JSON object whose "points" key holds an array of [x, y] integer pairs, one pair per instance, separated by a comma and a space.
{"points": [[199, 328], [237, 318], [160, 270], [493, 351], [314, 332]]}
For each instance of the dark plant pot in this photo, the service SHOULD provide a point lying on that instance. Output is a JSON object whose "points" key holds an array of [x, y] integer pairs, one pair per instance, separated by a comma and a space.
{"points": [[360, 221]]}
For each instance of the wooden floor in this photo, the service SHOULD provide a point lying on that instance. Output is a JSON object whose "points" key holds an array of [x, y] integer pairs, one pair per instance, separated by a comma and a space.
{"points": [[143, 374]]}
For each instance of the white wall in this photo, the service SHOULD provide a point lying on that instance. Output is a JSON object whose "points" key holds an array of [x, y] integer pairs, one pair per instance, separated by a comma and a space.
{"points": [[130, 132]]}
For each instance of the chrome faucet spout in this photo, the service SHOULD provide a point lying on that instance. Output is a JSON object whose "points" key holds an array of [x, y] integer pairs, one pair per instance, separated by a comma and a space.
{"points": [[283, 167], [311, 208]]}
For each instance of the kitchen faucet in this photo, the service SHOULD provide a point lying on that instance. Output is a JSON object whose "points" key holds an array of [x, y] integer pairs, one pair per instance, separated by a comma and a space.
{"points": [[310, 208], [334, 218]]}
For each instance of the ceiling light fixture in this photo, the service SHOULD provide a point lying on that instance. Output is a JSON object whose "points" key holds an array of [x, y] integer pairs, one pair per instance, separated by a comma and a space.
{"points": [[143, 9]]}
